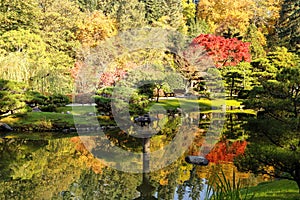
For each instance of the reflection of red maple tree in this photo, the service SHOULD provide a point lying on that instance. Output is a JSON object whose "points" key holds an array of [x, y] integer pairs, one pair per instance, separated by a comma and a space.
{"points": [[226, 151], [224, 52]]}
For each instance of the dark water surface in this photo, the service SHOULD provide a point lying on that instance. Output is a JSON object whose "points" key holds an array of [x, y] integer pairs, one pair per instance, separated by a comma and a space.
{"points": [[58, 166]]}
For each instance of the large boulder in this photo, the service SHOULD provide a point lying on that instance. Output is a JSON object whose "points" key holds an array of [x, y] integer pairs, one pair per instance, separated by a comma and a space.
{"points": [[5, 127], [197, 160]]}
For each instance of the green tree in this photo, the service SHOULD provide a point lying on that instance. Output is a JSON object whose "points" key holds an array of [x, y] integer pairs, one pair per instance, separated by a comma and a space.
{"points": [[26, 57], [257, 40], [88, 5], [274, 144], [288, 28], [197, 27], [16, 15], [167, 14], [237, 78], [12, 96], [130, 14], [58, 23], [264, 69], [155, 9]]}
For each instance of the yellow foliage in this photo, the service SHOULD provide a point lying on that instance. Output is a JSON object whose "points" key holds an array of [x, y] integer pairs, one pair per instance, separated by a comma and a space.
{"points": [[223, 14], [163, 181], [184, 173], [266, 14], [237, 15], [95, 28], [86, 157], [10, 120]]}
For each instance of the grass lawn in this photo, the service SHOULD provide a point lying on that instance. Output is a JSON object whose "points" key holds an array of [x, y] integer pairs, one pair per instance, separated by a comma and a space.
{"points": [[205, 105], [275, 190]]}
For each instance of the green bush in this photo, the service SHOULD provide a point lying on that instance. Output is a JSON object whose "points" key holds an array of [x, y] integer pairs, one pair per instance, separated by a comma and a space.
{"points": [[59, 100], [35, 99]]}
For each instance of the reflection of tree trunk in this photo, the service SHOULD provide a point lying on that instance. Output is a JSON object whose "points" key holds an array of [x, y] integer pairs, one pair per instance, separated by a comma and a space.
{"points": [[146, 189], [146, 154]]}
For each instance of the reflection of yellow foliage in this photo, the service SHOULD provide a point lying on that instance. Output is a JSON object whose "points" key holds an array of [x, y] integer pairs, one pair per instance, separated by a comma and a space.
{"points": [[228, 169], [161, 176], [86, 157], [270, 170], [163, 181], [158, 142], [184, 173], [44, 124], [10, 120]]}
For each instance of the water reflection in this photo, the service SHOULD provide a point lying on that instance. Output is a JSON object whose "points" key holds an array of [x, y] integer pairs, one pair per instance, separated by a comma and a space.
{"points": [[62, 168]]}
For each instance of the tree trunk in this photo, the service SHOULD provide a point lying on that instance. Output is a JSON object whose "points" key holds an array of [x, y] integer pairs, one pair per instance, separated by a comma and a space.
{"points": [[157, 97], [231, 89], [297, 178]]}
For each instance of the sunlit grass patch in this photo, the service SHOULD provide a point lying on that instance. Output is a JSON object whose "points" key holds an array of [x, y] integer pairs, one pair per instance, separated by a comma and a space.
{"points": [[204, 104], [276, 190]]}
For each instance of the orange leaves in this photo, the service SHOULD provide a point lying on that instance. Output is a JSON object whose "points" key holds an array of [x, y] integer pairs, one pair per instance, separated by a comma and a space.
{"points": [[225, 151], [95, 28], [86, 157]]}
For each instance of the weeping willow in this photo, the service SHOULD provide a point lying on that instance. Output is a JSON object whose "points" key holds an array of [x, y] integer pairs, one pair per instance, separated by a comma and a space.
{"points": [[14, 67], [41, 74]]}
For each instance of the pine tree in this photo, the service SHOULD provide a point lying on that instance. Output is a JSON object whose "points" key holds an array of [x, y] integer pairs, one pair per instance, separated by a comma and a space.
{"points": [[130, 14], [289, 25], [257, 40], [155, 9]]}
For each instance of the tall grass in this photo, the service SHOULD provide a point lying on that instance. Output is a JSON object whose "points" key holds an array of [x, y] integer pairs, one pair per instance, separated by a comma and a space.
{"points": [[221, 188]]}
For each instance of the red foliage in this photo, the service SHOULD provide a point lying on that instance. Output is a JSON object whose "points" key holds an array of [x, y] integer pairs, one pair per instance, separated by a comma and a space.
{"points": [[226, 151], [110, 78], [225, 52], [107, 78], [76, 68]]}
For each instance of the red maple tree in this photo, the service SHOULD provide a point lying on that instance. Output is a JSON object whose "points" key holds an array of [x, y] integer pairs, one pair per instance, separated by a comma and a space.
{"points": [[225, 52]]}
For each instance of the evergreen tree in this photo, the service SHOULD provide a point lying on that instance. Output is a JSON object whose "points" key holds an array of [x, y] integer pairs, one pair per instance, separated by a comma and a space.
{"points": [[130, 14], [155, 9], [257, 40], [289, 23], [273, 135]]}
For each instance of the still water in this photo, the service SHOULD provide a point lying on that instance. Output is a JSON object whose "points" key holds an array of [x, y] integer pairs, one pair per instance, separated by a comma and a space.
{"points": [[59, 166]]}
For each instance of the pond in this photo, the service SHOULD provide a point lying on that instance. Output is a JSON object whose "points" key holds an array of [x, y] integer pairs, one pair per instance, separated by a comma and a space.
{"points": [[59, 166]]}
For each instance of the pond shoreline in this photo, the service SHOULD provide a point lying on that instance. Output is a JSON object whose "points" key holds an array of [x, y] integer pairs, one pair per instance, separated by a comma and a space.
{"points": [[55, 122]]}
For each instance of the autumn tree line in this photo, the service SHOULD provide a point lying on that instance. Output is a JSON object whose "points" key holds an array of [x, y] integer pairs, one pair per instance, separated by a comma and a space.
{"points": [[42, 41]]}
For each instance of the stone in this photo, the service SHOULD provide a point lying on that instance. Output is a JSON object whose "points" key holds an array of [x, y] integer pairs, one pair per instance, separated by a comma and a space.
{"points": [[197, 160], [5, 127], [36, 109]]}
